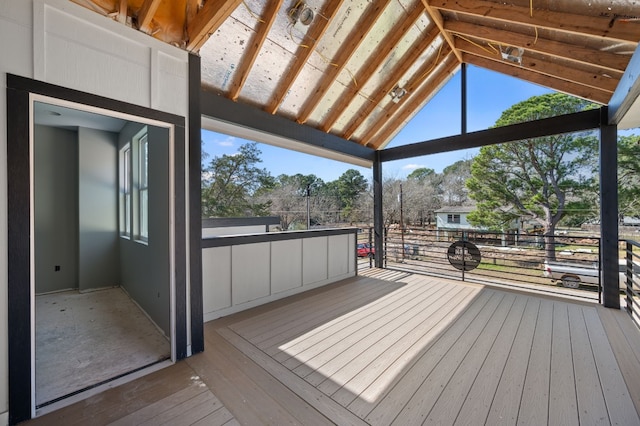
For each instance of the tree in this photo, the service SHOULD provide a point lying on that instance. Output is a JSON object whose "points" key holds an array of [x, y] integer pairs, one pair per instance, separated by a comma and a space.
{"points": [[230, 182], [453, 183], [535, 178], [348, 187], [629, 175]]}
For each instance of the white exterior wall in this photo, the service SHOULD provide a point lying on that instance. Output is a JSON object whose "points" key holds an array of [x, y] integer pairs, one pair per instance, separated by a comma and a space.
{"points": [[59, 42], [240, 277], [441, 222]]}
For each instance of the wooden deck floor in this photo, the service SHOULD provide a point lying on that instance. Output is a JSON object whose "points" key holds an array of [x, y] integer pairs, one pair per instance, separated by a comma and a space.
{"points": [[395, 348]]}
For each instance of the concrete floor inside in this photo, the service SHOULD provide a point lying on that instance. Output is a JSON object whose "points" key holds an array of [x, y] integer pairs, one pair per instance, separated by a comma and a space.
{"points": [[85, 339]]}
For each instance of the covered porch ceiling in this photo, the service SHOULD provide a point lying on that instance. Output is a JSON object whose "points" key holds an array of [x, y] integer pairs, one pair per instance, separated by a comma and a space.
{"points": [[359, 70]]}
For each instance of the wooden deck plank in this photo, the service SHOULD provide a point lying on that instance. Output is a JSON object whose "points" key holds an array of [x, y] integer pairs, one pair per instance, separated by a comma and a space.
{"points": [[624, 338], [534, 407], [485, 359], [380, 374], [506, 401], [396, 323], [187, 412], [454, 375], [115, 403], [376, 357], [255, 326], [334, 340], [325, 405], [452, 347], [160, 407], [563, 406], [313, 312], [424, 350], [475, 407], [591, 406], [396, 379], [249, 392], [616, 395], [302, 338]]}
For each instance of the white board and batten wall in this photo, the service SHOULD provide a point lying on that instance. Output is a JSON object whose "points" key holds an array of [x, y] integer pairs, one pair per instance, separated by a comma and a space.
{"points": [[239, 277], [59, 42]]}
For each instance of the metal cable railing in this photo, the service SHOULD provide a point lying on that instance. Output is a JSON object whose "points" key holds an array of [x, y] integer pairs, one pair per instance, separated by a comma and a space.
{"points": [[631, 268]]}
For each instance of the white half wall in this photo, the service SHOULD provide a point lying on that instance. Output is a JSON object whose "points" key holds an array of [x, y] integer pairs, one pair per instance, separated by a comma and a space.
{"points": [[240, 277]]}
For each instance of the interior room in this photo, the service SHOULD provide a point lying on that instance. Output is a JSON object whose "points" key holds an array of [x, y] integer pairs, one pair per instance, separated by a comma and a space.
{"points": [[101, 249]]}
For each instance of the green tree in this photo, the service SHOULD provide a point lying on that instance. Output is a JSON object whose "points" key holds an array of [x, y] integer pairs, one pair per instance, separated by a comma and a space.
{"points": [[421, 174], [348, 188], [537, 177], [230, 182], [629, 175]]}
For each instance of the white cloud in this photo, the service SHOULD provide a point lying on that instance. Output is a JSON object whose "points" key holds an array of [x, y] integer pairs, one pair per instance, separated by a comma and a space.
{"points": [[229, 141], [412, 166]]}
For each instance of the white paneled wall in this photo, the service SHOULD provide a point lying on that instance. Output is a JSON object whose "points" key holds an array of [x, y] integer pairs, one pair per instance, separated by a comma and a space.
{"points": [[244, 276]]}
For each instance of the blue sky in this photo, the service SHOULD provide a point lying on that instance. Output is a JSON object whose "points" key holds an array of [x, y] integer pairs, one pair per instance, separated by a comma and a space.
{"points": [[488, 95]]}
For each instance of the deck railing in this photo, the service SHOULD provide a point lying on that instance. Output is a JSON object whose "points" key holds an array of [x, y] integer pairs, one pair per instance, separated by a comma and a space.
{"points": [[507, 259], [632, 274]]}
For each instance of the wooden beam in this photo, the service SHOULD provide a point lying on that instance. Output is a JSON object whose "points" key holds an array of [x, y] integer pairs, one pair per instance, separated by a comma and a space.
{"points": [[146, 13], [253, 48], [208, 20], [532, 61], [614, 63], [436, 17], [369, 68], [421, 75], [303, 53], [514, 70], [416, 50], [344, 54], [595, 26], [123, 10], [415, 102]]}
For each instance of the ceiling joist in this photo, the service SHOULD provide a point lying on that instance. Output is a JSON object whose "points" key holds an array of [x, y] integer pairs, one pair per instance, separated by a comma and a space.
{"points": [[595, 26], [610, 61], [449, 65], [207, 20], [553, 83], [254, 47], [146, 13], [302, 54], [416, 51], [339, 62], [368, 70]]}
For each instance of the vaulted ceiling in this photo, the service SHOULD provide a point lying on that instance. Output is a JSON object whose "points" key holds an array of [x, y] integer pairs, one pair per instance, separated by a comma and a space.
{"points": [[361, 69]]}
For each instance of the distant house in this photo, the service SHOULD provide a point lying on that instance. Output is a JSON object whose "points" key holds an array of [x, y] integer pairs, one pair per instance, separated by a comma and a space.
{"points": [[455, 217]]}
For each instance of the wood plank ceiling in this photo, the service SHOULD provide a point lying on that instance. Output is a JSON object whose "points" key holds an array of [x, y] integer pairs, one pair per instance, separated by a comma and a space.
{"points": [[361, 69]]}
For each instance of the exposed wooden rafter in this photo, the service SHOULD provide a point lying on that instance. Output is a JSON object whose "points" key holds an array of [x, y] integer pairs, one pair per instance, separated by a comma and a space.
{"points": [[253, 49], [338, 63], [447, 68], [423, 74], [554, 83], [436, 17], [378, 57], [303, 53], [612, 62], [146, 13], [417, 49], [533, 62], [207, 20], [123, 11], [594, 26]]}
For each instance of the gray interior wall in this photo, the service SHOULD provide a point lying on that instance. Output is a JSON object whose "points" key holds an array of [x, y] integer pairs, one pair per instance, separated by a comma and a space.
{"points": [[98, 209], [56, 208], [145, 266]]}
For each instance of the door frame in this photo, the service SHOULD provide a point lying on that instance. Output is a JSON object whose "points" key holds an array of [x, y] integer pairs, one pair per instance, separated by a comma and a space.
{"points": [[21, 95]]}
